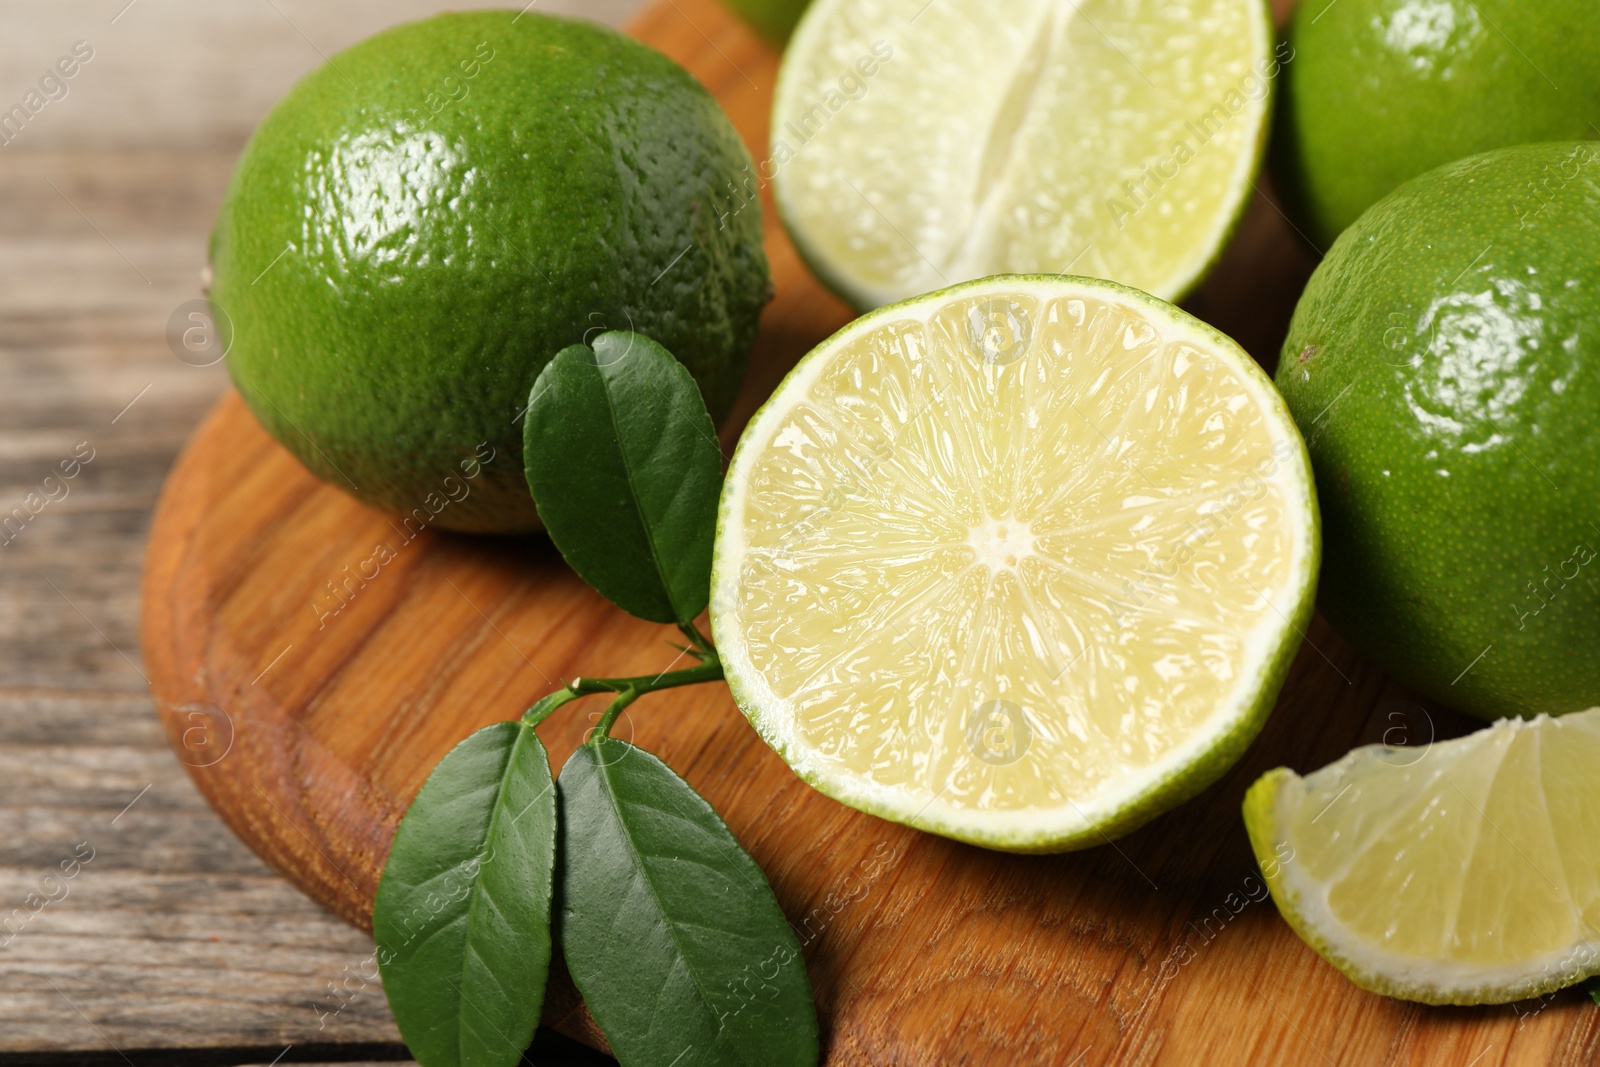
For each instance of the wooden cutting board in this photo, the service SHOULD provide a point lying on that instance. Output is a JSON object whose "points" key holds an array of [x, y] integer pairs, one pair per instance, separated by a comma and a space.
{"points": [[309, 733]]}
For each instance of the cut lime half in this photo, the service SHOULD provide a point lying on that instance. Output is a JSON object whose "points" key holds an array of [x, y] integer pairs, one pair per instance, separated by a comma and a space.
{"points": [[1022, 562], [1465, 872], [916, 145]]}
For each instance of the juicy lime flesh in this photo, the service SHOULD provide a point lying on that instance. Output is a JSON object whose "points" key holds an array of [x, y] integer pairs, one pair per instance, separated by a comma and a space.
{"points": [[1381, 91], [1114, 138], [1444, 366], [1465, 871], [419, 226], [1021, 550]]}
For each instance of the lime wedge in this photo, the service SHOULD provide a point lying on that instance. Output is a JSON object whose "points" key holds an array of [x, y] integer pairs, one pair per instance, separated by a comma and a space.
{"points": [[917, 144], [1465, 872], [1021, 562]]}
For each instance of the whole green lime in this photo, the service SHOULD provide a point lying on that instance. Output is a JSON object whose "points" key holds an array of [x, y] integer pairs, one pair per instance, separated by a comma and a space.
{"points": [[429, 218], [1444, 366], [773, 19], [1380, 91]]}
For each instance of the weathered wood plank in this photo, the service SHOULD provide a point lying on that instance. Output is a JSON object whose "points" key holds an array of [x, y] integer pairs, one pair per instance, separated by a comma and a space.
{"points": [[189, 73], [173, 935], [130, 917]]}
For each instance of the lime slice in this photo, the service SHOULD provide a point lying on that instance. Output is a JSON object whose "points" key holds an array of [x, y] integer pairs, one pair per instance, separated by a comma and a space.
{"points": [[1021, 562], [921, 144], [1464, 872]]}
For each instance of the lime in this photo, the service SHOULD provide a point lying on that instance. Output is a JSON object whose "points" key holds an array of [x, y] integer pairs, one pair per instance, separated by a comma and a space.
{"points": [[917, 145], [1022, 562], [1462, 872], [772, 19], [1444, 365], [430, 217], [1380, 91]]}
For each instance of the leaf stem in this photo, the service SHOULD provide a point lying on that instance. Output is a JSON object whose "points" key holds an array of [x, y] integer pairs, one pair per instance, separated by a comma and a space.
{"points": [[542, 710], [702, 644], [602, 729], [709, 669]]}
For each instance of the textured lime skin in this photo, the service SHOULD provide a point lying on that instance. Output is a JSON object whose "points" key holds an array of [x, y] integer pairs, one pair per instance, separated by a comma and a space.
{"points": [[1159, 797], [1444, 366], [1380, 91], [425, 221], [774, 20]]}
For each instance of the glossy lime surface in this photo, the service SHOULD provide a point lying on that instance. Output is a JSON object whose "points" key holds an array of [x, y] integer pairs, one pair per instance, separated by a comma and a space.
{"points": [[429, 218], [774, 20], [1444, 366], [1380, 91]]}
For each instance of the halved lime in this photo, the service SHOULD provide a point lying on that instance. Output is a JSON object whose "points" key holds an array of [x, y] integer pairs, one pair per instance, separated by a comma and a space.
{"points": [[920, 144], [1465, 872], [1021, 562]]}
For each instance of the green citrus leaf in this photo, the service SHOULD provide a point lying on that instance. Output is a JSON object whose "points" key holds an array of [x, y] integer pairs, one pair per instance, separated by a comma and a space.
{"points": [[462, 917], [669, 928], [624, 465]]}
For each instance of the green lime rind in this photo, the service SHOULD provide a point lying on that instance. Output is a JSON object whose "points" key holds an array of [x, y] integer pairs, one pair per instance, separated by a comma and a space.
{"points": [[774, 20], [1245, 193], [1267, 840], [1444, 367], [1380, 92], [426, 220], [1180, 783]]}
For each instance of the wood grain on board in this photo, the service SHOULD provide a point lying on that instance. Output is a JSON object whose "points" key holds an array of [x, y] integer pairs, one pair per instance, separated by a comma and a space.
{"points": [[310, 732]]}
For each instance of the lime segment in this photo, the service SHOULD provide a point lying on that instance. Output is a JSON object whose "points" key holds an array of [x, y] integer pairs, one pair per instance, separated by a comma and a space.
{"points": [[1460, 873]]}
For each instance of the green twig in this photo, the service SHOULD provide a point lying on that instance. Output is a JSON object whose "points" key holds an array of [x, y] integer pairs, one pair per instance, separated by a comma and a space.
{"points": [[541, 711], [627, 690], [602, 729], [699, 640], [709, 671]]}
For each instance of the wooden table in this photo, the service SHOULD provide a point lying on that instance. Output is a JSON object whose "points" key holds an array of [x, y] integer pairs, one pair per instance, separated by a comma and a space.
{"points": [[173, 936]]}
